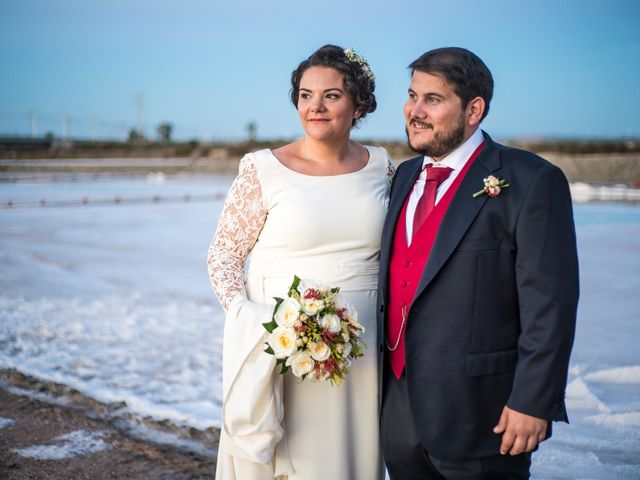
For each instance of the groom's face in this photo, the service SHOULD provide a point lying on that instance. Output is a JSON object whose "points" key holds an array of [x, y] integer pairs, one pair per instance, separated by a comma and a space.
{"points": [[435, 119]]}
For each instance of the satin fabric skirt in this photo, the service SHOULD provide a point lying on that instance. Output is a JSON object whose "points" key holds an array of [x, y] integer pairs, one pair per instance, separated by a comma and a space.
{"points": [[331, 431]]}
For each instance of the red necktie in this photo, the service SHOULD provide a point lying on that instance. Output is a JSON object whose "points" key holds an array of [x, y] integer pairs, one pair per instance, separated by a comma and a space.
{"points": [[435, 176]]}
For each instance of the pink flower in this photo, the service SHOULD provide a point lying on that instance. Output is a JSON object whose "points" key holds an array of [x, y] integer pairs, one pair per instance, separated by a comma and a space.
{"points": [[492, 186]]}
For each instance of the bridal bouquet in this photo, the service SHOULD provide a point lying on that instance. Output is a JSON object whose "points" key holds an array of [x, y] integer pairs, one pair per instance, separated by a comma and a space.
{"points": [[315, 332]]}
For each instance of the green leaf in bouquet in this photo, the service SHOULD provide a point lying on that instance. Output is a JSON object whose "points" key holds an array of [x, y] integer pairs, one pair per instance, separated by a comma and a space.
{"points": [[283, 366], [278, 302], [269, 350], [294, 286], [271, 326]]}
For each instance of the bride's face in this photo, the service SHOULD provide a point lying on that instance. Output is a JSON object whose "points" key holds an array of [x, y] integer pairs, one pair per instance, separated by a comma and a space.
{"points": [[326, 109]]}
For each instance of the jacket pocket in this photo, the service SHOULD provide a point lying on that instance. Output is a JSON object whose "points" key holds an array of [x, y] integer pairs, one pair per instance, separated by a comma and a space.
{"points": [[490, 363], [470, 245]]}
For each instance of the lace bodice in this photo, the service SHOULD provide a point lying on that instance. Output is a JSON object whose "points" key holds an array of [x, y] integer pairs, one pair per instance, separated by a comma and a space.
{"points": [[242, 219]]}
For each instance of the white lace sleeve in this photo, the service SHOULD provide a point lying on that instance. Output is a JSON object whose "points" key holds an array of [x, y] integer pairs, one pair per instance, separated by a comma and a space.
{"points": [[240, 223], [391, 170]]}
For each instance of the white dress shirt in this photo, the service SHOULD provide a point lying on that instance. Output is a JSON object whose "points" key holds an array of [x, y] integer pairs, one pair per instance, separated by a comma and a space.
{"points": [[456, 160]]}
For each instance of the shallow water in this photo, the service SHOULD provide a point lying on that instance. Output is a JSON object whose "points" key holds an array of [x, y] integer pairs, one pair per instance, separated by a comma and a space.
{"points": [[115, 301]]}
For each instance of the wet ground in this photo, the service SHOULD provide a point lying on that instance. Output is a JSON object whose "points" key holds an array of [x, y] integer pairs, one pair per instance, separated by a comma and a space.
{"points": [[44, 435]]}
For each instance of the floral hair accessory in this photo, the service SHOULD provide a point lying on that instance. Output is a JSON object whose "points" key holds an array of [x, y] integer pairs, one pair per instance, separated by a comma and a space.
{"points": [[492, 186], [354, 56]]}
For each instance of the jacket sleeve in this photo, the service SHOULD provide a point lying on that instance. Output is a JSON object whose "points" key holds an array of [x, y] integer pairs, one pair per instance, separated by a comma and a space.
{"points": [[548, 290]]}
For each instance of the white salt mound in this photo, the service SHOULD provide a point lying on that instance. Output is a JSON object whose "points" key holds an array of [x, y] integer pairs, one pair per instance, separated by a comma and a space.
{"points": [[79, 442], [629, 374]]}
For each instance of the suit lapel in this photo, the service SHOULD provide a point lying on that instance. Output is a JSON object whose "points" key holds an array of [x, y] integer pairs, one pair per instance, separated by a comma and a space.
{"points": [[461, 212]]}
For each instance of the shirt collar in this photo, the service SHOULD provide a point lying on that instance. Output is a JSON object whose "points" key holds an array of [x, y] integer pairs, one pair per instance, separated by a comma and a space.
{"points": [[458, 157]]}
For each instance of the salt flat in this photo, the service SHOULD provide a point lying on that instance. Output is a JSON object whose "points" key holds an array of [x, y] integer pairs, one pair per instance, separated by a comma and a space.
{"points": [[115, 301]]}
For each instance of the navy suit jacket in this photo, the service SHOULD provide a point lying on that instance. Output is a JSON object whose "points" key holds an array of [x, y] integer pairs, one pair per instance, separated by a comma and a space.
{"points": [[493, 318]]}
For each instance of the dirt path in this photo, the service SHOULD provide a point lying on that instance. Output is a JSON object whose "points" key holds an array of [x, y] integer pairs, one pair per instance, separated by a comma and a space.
{"points": [[41, 440]]}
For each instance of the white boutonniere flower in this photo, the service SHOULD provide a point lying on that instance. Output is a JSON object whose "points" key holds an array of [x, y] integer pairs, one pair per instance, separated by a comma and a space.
{"points": [[492, 186]]}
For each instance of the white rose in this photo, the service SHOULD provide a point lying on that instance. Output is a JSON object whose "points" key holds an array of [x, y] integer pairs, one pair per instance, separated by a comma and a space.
{"points": [[352, 313], [311, 306], [283, 341], [301, 363], [306, 284], [287, 313], [340, 301], [330, 322], [346, 350], [319, 351]]}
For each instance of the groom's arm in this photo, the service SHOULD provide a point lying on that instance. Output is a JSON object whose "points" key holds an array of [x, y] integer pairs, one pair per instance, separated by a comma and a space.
{"points": [[547, 283]]}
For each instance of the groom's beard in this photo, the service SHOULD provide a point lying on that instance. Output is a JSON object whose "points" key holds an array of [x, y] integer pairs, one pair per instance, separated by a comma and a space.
{"points": [[443, 142]]}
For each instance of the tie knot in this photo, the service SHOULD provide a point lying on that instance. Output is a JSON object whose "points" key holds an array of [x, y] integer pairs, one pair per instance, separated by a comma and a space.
{"points": [[438, 174]]}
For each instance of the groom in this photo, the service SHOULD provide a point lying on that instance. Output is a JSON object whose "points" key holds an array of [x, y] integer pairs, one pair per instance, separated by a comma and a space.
{"points": [[478, 288]]}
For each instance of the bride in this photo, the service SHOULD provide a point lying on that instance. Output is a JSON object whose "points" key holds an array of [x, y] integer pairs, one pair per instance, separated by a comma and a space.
{"points": [[312, 208]]}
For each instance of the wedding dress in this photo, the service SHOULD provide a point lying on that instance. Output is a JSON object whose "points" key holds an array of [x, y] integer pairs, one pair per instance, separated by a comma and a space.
{"points": [[279, 223]]}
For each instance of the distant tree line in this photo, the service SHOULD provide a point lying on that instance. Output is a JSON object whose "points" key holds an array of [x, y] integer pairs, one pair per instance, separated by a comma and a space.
{"points": [[578, 146], [163, 144], [163, 132]]}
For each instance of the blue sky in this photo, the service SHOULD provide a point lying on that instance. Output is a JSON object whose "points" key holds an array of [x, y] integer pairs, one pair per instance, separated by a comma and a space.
{"points": [[561, 69]]}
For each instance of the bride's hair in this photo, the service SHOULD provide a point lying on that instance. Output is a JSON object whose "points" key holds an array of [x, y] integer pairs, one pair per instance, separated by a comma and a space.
{"points": [[359, 80]]}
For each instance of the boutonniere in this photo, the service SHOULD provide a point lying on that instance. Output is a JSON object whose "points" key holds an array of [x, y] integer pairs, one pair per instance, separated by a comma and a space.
{"points": [[492, 186]]}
